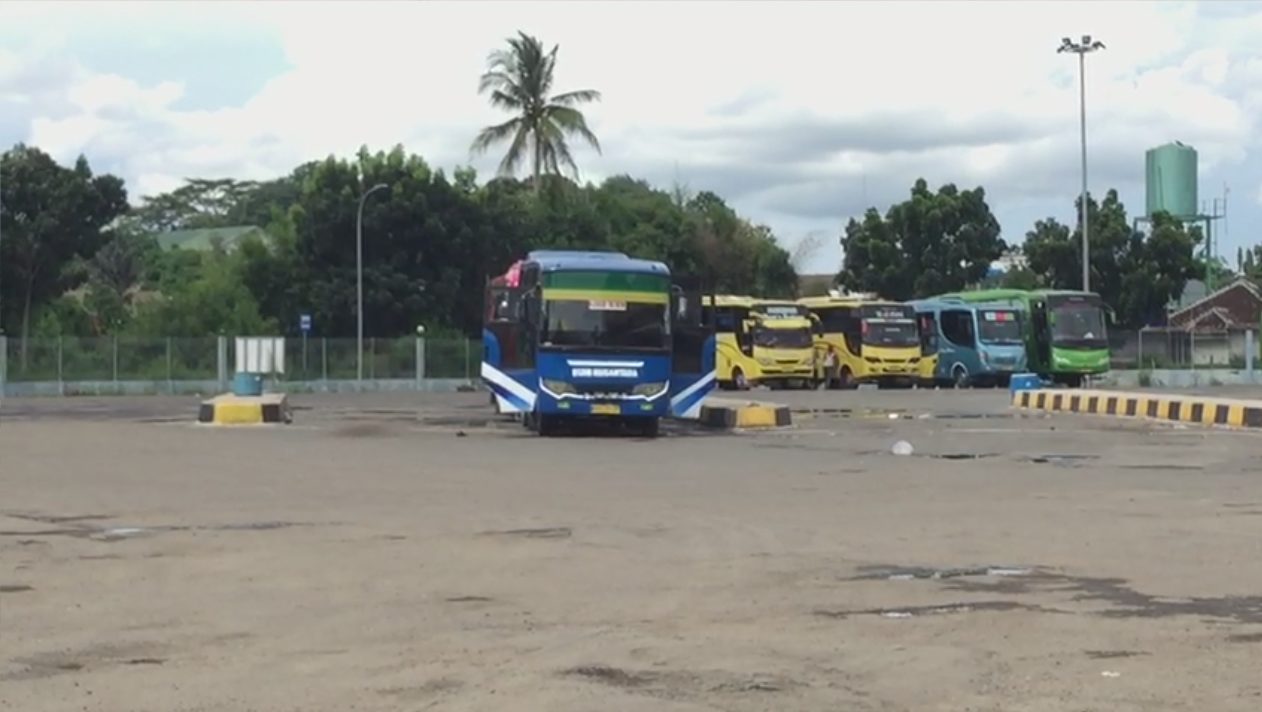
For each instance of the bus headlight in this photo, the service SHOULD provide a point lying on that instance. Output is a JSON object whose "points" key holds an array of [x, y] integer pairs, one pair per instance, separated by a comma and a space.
{"points": [[559, 388], [648, 389]]}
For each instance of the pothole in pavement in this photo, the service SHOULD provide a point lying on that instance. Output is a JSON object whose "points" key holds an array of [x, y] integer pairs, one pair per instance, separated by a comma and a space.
{"points": [[683, 684], [941, 609], [1113, 654], [1061, 460], [537, 533], [112, 534]]}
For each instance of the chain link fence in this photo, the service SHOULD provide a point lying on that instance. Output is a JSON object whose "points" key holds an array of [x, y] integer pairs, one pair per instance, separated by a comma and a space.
{"points": [[169, 365]]}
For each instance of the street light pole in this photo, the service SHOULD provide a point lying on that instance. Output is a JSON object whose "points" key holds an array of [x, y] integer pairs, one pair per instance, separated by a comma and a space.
{"points": [[1081, 49], [359, 279]]}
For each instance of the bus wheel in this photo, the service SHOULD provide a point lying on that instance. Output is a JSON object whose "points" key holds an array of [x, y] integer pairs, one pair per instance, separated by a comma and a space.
{"points": [[1074, 380], [959, 375], [739, 380], [546, 425], [647, 427]]}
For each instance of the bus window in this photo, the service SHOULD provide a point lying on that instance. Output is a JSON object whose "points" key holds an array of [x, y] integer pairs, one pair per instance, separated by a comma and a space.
{"points": [[957, 327], [999, 327]]}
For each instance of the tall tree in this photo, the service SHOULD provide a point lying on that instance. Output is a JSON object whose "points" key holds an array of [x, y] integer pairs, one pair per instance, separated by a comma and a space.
{"points": [[1135, 274], [519, 79], [53, 217], [928, 244]]}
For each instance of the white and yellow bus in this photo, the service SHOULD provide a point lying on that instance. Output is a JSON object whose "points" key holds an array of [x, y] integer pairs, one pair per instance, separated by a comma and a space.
{"points": [[862, 340], [765, 342]]}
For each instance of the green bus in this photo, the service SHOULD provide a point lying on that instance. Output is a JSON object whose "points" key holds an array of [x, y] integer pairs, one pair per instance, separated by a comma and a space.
{"points": [[1066, 337]]}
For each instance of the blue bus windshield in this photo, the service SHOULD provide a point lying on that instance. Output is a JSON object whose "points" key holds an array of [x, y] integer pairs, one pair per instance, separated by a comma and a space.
{"points": [[999, 327]]}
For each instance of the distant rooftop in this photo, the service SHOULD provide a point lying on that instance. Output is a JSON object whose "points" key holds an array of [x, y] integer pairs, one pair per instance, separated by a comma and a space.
{"points": [[204, 239]]}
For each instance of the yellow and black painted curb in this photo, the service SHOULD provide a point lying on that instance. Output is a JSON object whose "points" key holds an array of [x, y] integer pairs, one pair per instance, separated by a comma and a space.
{"points": [[1155, 406], [245, 410], [729, 416]]}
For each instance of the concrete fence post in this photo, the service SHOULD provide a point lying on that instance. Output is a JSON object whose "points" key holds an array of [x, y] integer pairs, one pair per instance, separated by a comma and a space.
{"points": [[324, 361], [420, 361], [170, 383], [61, 384], [114, 360], [1140, 358], [221, 362], [4, 363], [1248, 352]]}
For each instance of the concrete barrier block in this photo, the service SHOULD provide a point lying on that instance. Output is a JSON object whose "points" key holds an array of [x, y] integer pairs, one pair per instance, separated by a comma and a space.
{"points": [[229, 409], [731, 415]]}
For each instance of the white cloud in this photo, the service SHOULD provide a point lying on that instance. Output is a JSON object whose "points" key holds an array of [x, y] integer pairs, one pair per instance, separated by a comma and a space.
{"points": [[800, 113]]}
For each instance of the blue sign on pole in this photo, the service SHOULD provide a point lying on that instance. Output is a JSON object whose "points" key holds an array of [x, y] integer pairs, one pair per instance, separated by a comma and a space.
{"points": [[304, 323]]}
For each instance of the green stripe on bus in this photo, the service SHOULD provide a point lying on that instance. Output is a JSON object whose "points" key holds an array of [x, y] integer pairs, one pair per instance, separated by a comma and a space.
{"points": [[595, 295], [612, 281]]}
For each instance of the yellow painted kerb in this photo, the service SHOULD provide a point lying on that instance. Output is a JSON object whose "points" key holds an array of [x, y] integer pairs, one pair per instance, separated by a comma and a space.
{"points": [[237, 413], [756, 417]]}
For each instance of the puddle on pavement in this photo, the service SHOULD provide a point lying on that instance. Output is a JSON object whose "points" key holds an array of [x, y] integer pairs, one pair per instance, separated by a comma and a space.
{"points": [[468, 599], [877, 573], [15, 588], [1121, 599]]}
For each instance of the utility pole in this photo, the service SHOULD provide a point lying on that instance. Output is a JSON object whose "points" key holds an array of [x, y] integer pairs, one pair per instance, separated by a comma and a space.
{"points": [[359, 279], [1082, 49]]}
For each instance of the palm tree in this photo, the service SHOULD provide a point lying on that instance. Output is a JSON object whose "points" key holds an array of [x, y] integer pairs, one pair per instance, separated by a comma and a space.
{"points": [[519, 79]]}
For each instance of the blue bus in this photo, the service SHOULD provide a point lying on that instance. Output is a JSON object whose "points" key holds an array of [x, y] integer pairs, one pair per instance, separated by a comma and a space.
{"points": [[571, 335], [976, 344]]}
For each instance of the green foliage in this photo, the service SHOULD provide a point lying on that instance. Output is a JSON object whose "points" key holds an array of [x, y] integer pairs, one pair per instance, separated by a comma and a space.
{"points": [[216, 301], [1251, 263], [429, 244], [1135, 275], [928, 244], [519, 79], [52, 218], [1020, 278]]}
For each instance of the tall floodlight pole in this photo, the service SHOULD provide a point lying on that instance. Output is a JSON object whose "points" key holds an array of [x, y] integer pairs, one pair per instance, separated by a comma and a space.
{"points": [[359, 278], [1081, 49]]}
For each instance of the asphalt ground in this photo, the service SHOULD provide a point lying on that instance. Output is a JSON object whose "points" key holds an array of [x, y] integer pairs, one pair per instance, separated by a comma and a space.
{"points": [[413, 551]]}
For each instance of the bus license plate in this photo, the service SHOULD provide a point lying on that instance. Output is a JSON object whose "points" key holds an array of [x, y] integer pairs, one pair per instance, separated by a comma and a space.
{"points": [[606, 409]]}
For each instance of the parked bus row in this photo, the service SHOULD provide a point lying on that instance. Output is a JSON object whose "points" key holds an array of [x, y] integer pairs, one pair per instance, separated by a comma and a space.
{"points": [[572, 334], [964, 339]]}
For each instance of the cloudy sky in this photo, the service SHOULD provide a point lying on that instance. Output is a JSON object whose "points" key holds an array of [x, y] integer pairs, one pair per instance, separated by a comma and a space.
{"points": [[800, 114]]}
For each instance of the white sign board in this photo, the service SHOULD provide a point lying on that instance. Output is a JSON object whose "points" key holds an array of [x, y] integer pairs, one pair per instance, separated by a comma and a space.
{"points": [[260, 354]]}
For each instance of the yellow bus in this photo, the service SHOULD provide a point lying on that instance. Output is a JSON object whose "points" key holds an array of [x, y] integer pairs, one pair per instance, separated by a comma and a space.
{"points": [[862, 340], [763, 342]]}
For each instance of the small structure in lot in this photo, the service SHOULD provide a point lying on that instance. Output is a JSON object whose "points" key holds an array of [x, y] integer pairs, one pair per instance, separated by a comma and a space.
{"points": [[247, 404]]}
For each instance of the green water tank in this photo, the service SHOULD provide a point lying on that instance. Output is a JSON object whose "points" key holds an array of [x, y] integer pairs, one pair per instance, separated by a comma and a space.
{"points": [[1170, 180]]}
